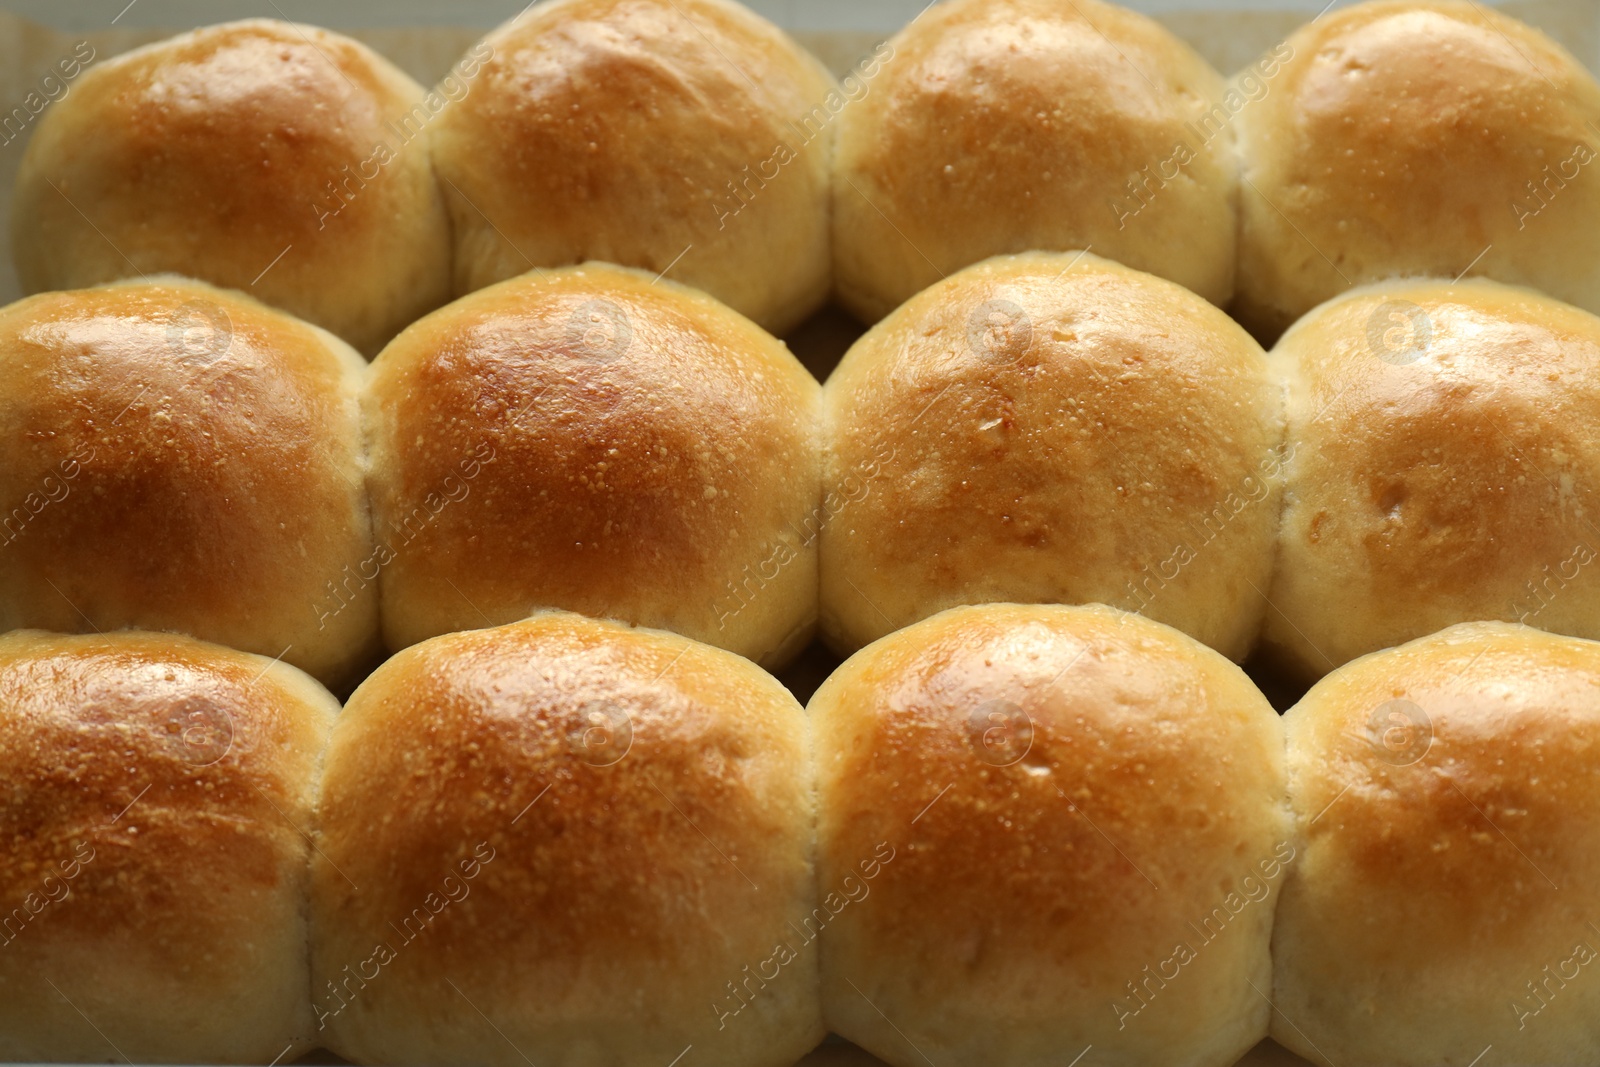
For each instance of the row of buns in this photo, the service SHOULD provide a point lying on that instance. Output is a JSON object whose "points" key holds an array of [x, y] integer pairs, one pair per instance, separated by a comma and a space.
{"points": [[692, 138], [1006, 835], [1036, 428]]}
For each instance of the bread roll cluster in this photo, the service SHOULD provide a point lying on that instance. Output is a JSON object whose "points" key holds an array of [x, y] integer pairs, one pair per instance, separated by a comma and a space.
{"points": [[671, 135], [183, 458], [586, 507], [1047, 427], [523, 831], [1004, 834]]}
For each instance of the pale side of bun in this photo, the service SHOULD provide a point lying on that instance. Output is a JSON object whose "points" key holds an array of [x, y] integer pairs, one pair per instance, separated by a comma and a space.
{"points": [[1417, 137], [565, 841], [681, 136], [260, 155], [153, 869], [1056, 827], [1051, 427], [998, 126], [179, 457], [596, 440], [1449, 820], [1444, 466]]}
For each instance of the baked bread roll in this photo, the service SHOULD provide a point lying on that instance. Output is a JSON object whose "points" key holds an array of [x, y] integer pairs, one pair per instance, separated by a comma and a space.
{"points": [[597, 440], [1051, 428], [566, 841], [1416, 137], [1444, 466], [1000, 126], [153, 877], [1043, 828], [178, 457], [686, 137], [1445, 895], [259, 155]]}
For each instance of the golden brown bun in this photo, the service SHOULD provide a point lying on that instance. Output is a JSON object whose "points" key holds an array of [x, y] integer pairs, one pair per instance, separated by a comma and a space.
{"points": [[639, 132], [565, 841], [1000, 126], [1450, 826], [1051, 827], [1444, 445], [178, 457], [1051, 428], [1406, 137], [216, 152], [594, 440], [153, 872]]}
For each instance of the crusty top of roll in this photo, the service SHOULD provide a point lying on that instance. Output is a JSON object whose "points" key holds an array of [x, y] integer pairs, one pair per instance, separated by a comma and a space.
{"points": [[1445, 455], [1002, 126], [1059, 426], [1502, 721], [1400, 139], [1447, 794], [1043, 856], [565, 696], [628, 788], [171, 457], [216, 151], [629, 131], [643, 443], [178, 773]]}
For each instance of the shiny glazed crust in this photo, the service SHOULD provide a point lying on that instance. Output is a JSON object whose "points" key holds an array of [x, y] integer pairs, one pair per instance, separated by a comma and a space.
{"points": [[1051, 427], [1030, 808], [1445, 465], [596, 440], [681, 134], [588, 833], [999, 126], [153, 871], [1417, 137], [1445, 793], [219, 151], [178, 457]]}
